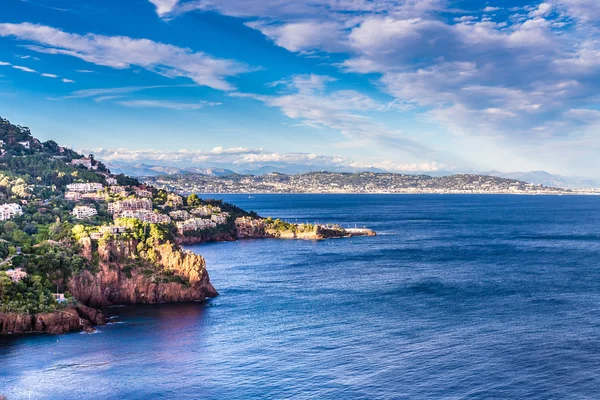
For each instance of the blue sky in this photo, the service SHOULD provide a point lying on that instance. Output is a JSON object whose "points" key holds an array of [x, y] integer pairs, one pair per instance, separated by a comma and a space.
{"points": [[401, 85]]}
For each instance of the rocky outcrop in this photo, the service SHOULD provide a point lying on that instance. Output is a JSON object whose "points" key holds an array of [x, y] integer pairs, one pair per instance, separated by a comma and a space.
{"points": [[206, 238], [73, 319], [165, 275]]}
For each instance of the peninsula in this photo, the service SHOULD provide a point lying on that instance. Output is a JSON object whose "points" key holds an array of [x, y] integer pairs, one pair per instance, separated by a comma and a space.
{"points": [[74, 237], [340, 182]]}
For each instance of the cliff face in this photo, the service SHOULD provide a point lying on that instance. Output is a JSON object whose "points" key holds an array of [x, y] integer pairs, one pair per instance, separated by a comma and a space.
{"points": [[125, 277], [75, 319]]}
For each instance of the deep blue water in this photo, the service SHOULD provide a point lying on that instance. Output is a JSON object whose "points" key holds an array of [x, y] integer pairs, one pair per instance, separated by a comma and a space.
{"points": [[457, 297]]}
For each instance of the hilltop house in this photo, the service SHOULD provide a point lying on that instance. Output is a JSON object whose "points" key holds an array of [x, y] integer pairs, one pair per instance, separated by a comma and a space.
{"points": [[16, 274], [86, 162], [25, 144], [82, 212], [111, 229], [11, 210]]}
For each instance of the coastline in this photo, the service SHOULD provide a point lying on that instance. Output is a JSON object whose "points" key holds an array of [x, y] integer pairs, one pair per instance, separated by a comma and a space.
{"points": [[397, 193]]}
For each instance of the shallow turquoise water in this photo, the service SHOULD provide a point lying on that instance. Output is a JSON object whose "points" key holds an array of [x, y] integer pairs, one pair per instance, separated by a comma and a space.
{"points": [[458, 296]]}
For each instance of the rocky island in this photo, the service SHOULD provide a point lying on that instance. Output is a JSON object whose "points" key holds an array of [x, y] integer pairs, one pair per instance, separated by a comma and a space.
{"points": [[74, 238]]}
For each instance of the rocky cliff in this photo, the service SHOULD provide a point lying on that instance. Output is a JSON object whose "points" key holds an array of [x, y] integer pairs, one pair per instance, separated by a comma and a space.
{"points": [[73, 319], [127, 275], [207, 237]]}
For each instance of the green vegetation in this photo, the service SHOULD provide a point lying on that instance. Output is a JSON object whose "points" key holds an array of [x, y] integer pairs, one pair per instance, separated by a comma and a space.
{"points": [[278, 225], [51, 246]]}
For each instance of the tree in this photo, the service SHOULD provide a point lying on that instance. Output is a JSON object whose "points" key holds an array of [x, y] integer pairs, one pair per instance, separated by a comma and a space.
{"points": [[193, 200]]}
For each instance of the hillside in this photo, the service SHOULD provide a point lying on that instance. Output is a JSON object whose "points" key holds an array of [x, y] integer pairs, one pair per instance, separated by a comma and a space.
{"points": [[338, 182], [74, 235]]}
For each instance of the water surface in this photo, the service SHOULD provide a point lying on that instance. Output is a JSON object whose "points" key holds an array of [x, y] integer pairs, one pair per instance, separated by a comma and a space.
{"points": [[458, 296]]}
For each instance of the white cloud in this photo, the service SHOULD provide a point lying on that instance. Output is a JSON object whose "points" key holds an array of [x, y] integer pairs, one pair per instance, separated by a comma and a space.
{"points": [[173, 105], [49, 75], [164, 6], [242, 157], [300, 36], [4, 63], [306, 99], [123, 52], [491, 9], [65, 80], [24, 69], [543, 10], [84, 71]]}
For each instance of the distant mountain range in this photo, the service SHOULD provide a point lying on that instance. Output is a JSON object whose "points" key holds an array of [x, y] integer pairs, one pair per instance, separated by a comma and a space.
{"points": [[154, 169]]}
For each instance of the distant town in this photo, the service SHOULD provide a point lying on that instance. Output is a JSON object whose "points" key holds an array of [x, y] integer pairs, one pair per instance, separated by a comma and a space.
{"points": [[364, 182]]}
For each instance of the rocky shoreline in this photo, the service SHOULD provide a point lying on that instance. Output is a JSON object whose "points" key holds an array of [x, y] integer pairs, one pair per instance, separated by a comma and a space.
{"points": [[115, 284], [72, 319]]}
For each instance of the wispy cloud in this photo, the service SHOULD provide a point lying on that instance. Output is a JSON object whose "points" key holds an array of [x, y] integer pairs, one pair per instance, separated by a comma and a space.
{"points": [[65, 80], [173, 105], [4, 63], [24, 69], [49, 75], [306, 99], [121, 52]]}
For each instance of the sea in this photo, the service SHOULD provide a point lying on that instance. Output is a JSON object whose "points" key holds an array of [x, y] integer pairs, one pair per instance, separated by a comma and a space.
{"points": [[457, 297]]}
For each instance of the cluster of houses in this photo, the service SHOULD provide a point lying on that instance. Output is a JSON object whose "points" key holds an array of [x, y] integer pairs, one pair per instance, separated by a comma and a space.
{"points": [[130, 205], [194, 224], [85, 187], [11, 210], [181, 215], [145, 216]]}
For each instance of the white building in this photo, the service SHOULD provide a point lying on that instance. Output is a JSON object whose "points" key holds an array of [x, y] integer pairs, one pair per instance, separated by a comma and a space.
{"points": [[143, 193], [82, 212], [84, 187], [16, 274], [25, 144], [204, 211], [219, 218], [174, 199], [111, 229], [8, 211], [179, 214], [146, 216], [86, 162], [117, 189], [130, 205], [111, 181], [195, 224], [73, 196], [98, 196]]}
